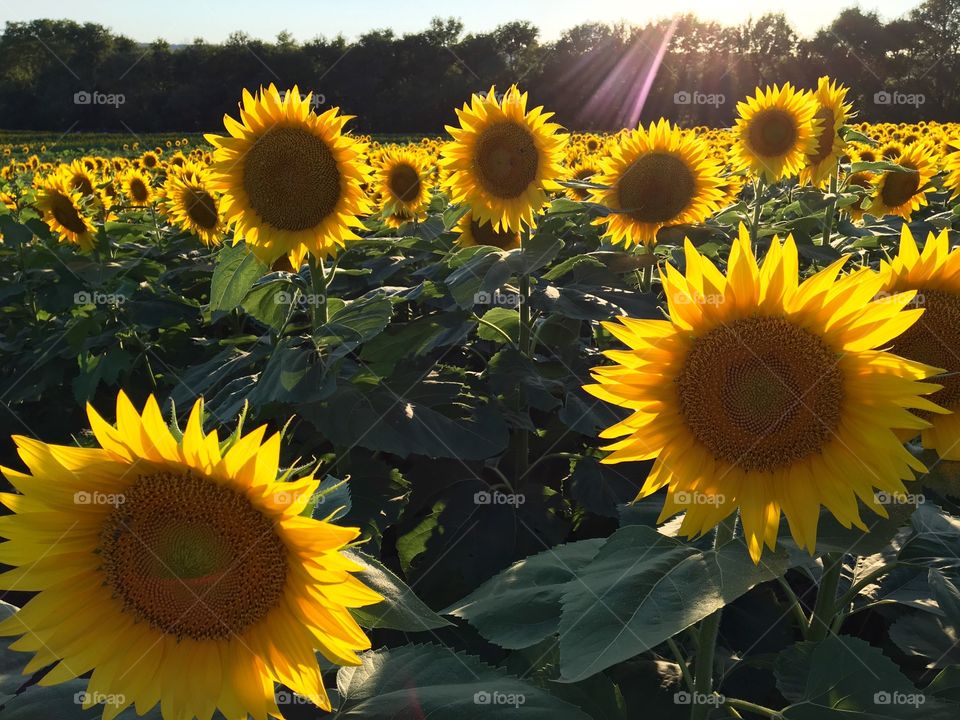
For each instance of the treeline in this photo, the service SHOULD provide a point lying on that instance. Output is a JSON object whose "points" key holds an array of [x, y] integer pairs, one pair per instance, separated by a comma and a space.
{"points": [[64, 76]]}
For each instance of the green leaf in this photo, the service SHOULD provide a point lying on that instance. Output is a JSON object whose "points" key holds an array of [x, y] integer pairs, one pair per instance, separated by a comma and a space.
{"points": [[521, 606], [947, 596], [430, 681], [508, 322], [401, 609], [236, 271], [846, 678], [65, 702], [643, 588]]}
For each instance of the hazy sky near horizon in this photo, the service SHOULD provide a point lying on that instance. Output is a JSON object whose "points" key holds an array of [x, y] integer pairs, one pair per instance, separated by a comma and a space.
{"points": [[180, 21]]}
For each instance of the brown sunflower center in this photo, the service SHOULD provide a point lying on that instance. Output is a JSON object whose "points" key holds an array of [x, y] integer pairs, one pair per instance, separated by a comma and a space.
{"points": [[201, 208], [191, 557], [899, 187], [405, 182], [761, 393], [149, 161], [291, 178], [583, 174], [138, 190], [656, 188], [827, 135], [66, 213], [506, 159], [772, 133], [935, 340], [485, 235], [83, 184]]}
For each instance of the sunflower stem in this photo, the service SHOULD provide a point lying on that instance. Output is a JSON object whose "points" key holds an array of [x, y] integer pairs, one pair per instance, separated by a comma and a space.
{"points": [[831, 211], [647, 281], [843, 603], [825, 607], [707, 641], [757, 207], [752, 708], [318, 303]]}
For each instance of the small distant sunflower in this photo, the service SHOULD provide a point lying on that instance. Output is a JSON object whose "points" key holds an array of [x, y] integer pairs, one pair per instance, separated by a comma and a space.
{"points": [[192, 206], [653, 178], [833, 113], [582, 171], [401, 180], [765, 394], [776, 132], [82, 177], [137, 187], [290, 178], [178, 571], [934, 339], [62, 207], [503, 159], [477, 232], [150, 160], [902, 193]]}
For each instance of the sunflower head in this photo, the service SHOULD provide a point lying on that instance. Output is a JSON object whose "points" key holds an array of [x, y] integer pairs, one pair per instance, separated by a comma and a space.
{"points": [[952, 166], [903, 192], [765, 394], [503, 158], [776, 131], [185, 551], [832, 114], [477, 232], [63, 210], [289, 177], [653, 178], [193, 207], [402, 182], [138, 187]]}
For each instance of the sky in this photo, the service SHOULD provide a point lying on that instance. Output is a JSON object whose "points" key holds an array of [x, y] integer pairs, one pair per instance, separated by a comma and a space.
{"points": [[180, 21]]}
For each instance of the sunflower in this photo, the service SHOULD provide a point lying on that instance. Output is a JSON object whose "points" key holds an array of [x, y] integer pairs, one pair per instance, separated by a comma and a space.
{"points": [[833, 113], [290, 177], [479, 232], [582, 171], [82, 178], [193, 207], [902, 192], [176, 570], [776, 132], [656, 177], [935, 338], [503, 159], [952, 166], [765, 394], [402, 184], [136, 186], [63, 211], [150, 160]]}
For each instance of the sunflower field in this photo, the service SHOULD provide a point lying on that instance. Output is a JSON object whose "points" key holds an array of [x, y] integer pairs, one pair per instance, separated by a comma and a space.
{"points": [[513, 422]]}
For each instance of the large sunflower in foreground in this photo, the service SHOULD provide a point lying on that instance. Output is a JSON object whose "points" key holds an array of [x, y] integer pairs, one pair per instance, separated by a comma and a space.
{"points": [[832, 113], [178, 571], [776, 132], [290, 178], [656, 177], [765, 394], [192, 206], [62, 208], [903, 192], [503, 159], [935, 338]]}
